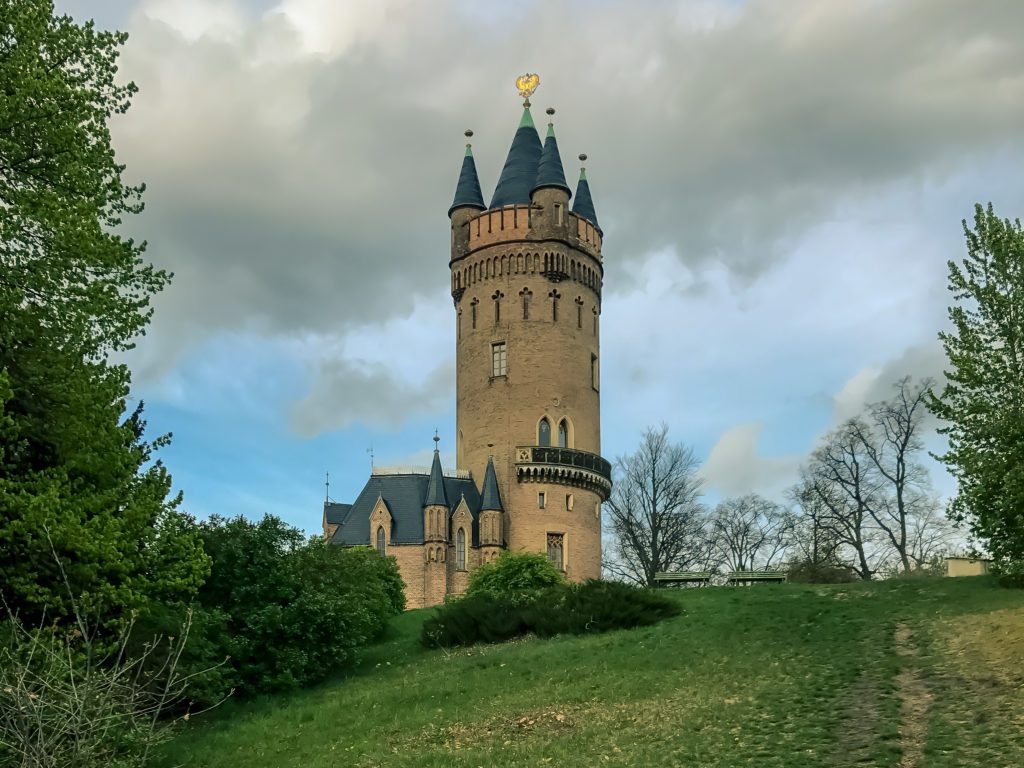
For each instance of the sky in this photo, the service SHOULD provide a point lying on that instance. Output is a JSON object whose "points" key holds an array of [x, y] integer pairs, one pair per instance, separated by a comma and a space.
{"points": [[780, 182]]}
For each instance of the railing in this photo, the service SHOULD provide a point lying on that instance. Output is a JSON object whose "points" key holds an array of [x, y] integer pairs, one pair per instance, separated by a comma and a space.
{"points": [[565, 457]]}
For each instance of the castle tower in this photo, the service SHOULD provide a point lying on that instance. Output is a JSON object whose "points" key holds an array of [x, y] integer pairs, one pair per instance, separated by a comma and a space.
{"points": [[526, 277]]}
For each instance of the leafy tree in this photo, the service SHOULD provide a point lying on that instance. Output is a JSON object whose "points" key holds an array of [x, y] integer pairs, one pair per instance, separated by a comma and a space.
{"points": [[293, 610], [656, 519], [78, 484], [982, 403], [516, 576]]}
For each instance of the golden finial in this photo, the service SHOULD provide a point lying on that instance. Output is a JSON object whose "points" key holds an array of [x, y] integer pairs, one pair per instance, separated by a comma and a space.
{"points": [[527, 84]]}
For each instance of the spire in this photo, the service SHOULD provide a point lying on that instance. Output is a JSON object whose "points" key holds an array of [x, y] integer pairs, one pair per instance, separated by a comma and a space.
{"points": [[584, 205], [520, 169], [435, 487], [491, 499], [549, 171], [467, 192]]}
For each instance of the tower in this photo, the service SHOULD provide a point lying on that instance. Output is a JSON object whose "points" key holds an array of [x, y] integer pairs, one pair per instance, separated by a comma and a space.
{"points": [[526, 277]]}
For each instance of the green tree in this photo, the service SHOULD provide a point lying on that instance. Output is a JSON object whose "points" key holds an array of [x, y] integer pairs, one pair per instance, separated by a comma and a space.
{"points": [[982, 402], [78, 483]]}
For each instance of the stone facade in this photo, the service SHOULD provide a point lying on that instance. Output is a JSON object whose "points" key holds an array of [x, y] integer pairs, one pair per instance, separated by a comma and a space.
{"points": [[526, 281]]}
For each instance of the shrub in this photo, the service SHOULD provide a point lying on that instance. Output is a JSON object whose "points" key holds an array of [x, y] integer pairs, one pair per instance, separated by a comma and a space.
{"points": [[288, 611], [517, 576], [593, 606], [806, 572]]}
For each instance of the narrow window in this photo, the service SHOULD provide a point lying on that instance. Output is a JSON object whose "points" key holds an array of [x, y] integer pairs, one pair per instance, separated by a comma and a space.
{"points": [[555, 296], [595, 320], [499, 358], [498, 296], [568, 501], [579, 311], [472, 313], [594, 376], [458, 324], [559, 216], [540, 500], [526, 294], [563, 434], [544, 432], [460, 550], [380, 540], [556, 550]]}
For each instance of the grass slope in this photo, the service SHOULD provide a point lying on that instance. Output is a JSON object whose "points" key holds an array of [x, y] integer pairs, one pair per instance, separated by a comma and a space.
{"points": [[906, 673]]}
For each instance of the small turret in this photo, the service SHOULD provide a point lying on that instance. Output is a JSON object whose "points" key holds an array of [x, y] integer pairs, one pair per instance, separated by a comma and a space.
{"points": [[549, 170], [584, 205], [467, 191], [490, 499], [491, 516]]}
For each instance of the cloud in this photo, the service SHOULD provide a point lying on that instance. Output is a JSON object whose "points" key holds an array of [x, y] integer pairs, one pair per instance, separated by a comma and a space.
{"points": [[736, 467], [875, 383]]}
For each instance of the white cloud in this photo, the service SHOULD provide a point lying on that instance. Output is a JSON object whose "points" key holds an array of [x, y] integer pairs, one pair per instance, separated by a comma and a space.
{"points": [[736, 467]]}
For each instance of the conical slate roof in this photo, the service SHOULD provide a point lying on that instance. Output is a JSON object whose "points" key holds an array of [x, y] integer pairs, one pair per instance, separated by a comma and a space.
{"points": [[435, 487], [467, 192], [491, 499], [584, 205], [549, 171], [520, 171]]}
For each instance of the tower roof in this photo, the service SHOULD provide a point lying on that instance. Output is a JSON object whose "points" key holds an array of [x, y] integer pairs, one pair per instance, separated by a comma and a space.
{"points": [[467, 191], [520, 171], [549, 170], [491, 498], [584, 205], [435, 486]]}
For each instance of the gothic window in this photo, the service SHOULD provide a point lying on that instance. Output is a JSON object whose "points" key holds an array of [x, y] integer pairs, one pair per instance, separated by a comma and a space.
{"points": [[472, 313], [380, 540], [460, 550], [498, 296], [556, 550], [563, 434], [579, 311], [555, 296], [544, 432], [499, 359], [526, 295]]}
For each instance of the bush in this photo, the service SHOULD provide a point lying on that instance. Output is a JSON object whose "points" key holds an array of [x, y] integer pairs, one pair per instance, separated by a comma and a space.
{"points": [[288, 612], [593, 606], [806, 572], [517, 576]]}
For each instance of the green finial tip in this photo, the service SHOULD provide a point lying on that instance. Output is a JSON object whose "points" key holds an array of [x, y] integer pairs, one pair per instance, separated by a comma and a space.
{"points": [[551, 130], [527, 121], [583, 174], [469, 150]]}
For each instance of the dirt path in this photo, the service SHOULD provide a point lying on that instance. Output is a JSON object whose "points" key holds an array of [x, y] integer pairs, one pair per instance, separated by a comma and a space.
{"points": [[915, 701]]}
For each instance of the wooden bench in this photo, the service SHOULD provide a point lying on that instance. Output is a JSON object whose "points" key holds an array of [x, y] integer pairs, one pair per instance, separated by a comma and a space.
{"points": [[750, 577], [666, 578]]}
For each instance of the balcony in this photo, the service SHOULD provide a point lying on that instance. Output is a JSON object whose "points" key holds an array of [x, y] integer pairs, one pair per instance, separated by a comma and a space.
{"points": [[567, 466]]}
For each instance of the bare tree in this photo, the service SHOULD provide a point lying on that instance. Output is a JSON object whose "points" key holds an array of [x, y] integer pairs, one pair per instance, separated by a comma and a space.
{"points": [[930, 536], [841, 479], [891, 440], [751, 532], [655, 516], [815, 540]]}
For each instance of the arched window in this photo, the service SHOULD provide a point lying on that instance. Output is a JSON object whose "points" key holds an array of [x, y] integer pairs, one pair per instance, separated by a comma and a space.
{"points": [[460, 550], [563, 434], [544, 432], [380, 540]]}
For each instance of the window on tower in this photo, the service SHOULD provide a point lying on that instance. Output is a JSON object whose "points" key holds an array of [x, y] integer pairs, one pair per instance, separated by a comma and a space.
{"points": [[499, 359], [594, 373], [563, 434], [544, 432], [579, 311], [472, 313], [498, 296], [556, 550], [540, 500]]}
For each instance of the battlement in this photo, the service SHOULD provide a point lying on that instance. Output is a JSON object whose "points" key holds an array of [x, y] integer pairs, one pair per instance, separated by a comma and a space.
{"points": [[531, 222]]}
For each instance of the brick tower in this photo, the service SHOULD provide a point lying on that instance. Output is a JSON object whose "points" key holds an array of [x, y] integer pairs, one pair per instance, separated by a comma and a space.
{"points": [[526, 276]]}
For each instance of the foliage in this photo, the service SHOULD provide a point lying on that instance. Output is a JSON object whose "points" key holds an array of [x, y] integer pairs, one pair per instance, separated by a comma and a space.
{"points": [[809, 572], [515, 576], [62, 705], [982, 403], [77, 480], [288, 611], [593, 606], [655, 517]]}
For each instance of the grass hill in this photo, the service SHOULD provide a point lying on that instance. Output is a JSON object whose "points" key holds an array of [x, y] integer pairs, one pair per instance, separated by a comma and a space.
{"points": [[926, 672]]}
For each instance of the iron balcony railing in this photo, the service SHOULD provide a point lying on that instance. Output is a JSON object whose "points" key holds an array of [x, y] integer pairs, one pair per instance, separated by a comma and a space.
{"points": [[566, 457]]}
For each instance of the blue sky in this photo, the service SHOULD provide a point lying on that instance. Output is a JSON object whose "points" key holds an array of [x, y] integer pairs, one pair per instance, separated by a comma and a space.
{"points": [[780, 185]]}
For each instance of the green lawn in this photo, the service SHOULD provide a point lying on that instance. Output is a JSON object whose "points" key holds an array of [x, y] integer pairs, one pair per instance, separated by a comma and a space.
{"points": [[909, 673]]}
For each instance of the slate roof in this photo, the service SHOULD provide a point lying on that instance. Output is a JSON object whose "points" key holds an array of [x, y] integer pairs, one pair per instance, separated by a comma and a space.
{"points": [[335, 513], [584, 205], [435, 486], [520, 171], [405, 496], [467, 191], [549, 171], [491, 496]]}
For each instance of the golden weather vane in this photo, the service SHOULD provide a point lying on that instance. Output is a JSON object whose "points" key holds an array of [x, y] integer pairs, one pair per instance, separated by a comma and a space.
{"points": [[527, 84]]}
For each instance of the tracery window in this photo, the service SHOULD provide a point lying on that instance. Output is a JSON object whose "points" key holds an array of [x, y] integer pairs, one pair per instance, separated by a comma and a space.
{"points": [[556, 550], [563, 434], [544, 432]]}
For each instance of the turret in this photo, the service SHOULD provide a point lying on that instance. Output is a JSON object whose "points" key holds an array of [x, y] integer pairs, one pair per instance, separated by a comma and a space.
{"points": [[584, 205], [491, 516], [550, 192], [468, 201]]}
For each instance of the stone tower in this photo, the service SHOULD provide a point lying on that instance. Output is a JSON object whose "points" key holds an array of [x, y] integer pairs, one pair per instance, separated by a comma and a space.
{"points": [[526, 277]]}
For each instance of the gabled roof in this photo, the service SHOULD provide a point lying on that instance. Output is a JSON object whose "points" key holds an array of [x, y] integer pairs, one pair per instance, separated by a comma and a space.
{"points": [[584, 205], [405, 496], [520, 171], [467, 191], [491, 497], [549, 170], [335, 513]]}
